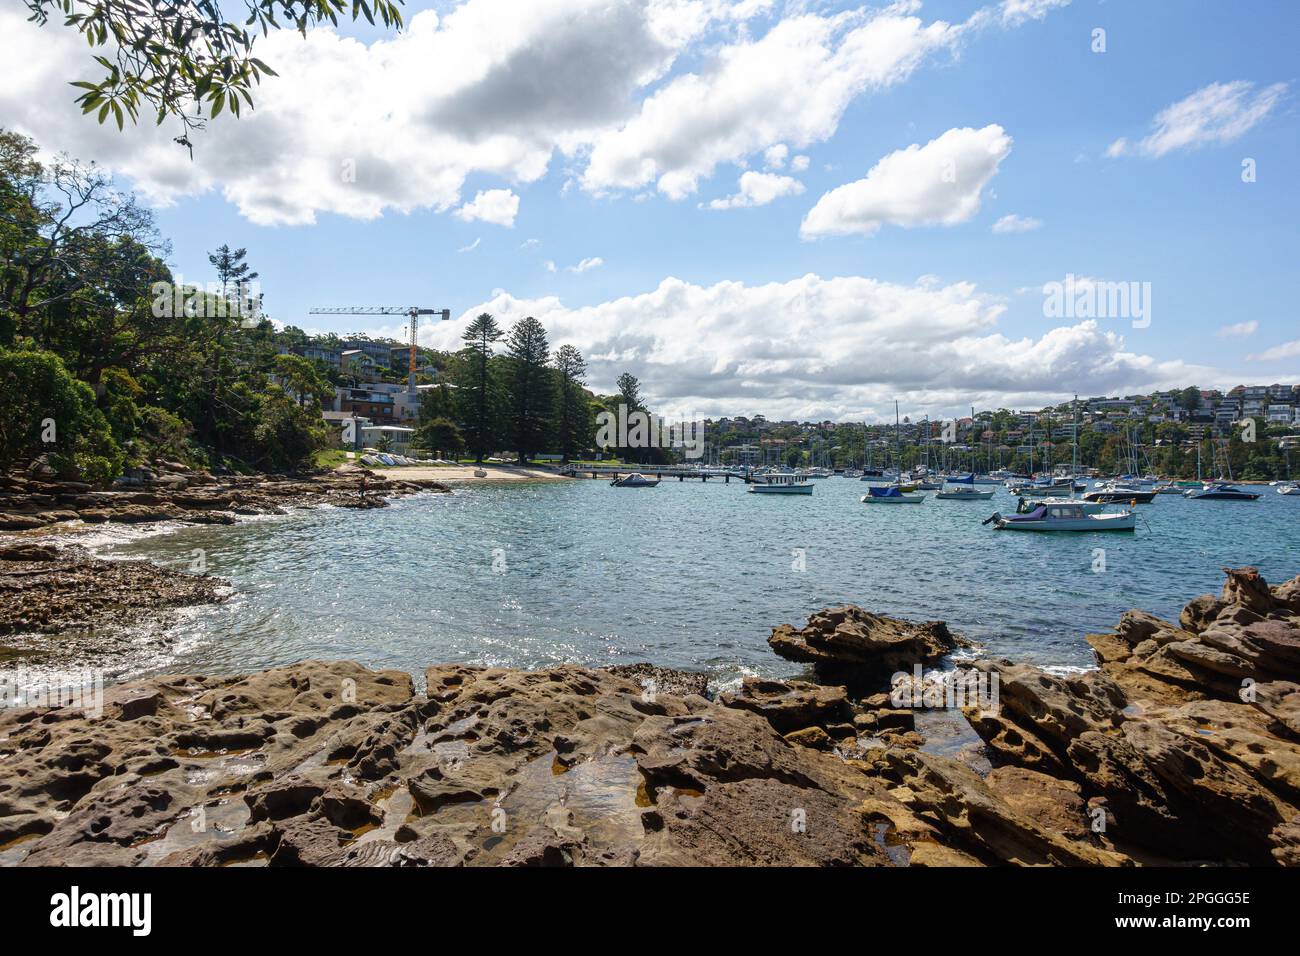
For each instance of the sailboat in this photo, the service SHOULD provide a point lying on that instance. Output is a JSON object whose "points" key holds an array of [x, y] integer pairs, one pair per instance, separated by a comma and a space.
{"points": [[962, 488], [896, 492]]}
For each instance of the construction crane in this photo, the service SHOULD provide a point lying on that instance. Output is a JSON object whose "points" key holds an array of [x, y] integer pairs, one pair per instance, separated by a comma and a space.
{"points": [[413, 312]]}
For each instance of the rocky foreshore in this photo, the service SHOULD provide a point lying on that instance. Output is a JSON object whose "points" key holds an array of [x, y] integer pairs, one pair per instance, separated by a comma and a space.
{"points": [[170, 491], [1182, 748]]}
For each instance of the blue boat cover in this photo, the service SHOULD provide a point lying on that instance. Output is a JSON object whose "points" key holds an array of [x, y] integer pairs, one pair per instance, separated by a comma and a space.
{"points": [[962, 480], [889, 491]]}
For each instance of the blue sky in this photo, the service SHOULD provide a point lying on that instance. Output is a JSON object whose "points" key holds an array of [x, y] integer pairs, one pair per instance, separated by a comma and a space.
{"points": [[1217, 251]]}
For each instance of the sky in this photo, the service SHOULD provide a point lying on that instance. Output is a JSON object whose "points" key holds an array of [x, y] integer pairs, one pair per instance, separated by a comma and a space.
{"points": [[793, 208]]}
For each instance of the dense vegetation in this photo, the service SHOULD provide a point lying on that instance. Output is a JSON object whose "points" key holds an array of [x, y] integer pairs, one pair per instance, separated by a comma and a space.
{"points": [[106, 363], [999, 439]]}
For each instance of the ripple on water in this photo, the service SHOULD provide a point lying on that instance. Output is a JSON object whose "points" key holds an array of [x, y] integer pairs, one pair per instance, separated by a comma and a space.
{"points": [[687, 575]]}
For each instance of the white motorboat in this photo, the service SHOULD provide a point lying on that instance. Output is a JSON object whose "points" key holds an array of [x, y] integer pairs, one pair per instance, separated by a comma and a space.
{"points": [[634, 480], [1024, 507], [962, 488], [1288, 488], [781, 484], [1042, 489], [1064, 517]]}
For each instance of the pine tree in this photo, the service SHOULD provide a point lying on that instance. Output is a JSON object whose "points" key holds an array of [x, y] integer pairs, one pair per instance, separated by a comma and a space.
{"points": [[479, 391], [572, 412], [531, 397]]}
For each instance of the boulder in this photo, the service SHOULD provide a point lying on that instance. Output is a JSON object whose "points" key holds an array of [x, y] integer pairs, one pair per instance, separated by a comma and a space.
{"points": [[790, 705], [852, 646]]}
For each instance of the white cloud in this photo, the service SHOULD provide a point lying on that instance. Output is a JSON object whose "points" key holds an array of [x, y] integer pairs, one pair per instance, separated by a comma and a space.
{"points": [[791, 85], [550, 266], [935, 184], [493, 88], [1217, 113], [471, 247], [1015, 12], [759, 189], [1014, 223], [840, 348], [1239, 330], [497, 206], [591, 262], [530, 244], [799, 163], [774, 156], [1286, 350]]}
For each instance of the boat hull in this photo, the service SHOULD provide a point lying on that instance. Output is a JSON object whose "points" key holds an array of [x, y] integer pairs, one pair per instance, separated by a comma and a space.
{"points": [[903, 499], [781, 489], [965, 495], [1118, 497], [1126, 521]]}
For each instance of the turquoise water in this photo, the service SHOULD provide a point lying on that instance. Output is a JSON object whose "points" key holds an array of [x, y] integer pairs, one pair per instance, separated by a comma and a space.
{"points": [[685, 575]]}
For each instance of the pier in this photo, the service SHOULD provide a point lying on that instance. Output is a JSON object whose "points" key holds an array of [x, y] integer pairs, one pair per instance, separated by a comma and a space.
{"points": [[681, 474]]}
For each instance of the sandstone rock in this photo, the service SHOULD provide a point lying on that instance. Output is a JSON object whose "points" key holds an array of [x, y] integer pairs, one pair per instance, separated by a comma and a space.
{"points": [[813, 737], [852, 646], [790, 705]]}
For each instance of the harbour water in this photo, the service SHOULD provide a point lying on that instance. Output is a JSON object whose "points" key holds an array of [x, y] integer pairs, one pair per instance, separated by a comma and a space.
{"points": [[683, 575]]}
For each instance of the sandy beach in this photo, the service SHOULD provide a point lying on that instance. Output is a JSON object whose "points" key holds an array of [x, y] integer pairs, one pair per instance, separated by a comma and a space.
{"points": [[464, 474]]}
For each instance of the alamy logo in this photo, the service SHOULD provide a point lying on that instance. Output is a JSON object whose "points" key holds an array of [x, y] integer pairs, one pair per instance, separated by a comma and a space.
{"points": [[80, 690], [1083, 298], [74, 908], [209, 300], [638, 429]]}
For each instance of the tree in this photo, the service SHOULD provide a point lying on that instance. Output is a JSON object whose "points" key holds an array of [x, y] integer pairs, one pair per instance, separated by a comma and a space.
{"points": [[629, 390], [66, 236], [531, 395], [441, 436], [480, 418], [234, 274], [572, 408], [49, 411], [303, 379], [284, 435], [167, 56]]}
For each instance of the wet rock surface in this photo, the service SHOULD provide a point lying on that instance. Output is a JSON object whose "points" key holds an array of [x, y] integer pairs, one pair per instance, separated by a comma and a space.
{"points": [[333, 764], [173, 492], [65, 608]]}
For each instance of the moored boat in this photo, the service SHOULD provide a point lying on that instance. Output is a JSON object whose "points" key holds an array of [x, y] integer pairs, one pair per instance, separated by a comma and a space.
{"points": [[890, 495], [1067, 516], [1114, 491], [781, 484], [634, 480], [1089, 507], [962, 488], [1216, 491]]}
